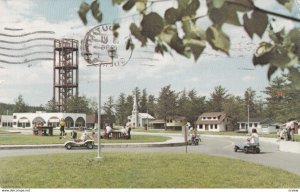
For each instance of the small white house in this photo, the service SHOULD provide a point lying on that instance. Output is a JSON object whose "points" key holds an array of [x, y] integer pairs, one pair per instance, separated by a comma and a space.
{"points": [[175, 122], [143, 119], [212, 121], [28, 120], [6, 121], [261, 125]]}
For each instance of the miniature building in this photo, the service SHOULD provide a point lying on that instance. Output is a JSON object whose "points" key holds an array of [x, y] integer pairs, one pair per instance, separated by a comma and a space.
{"points": [[6, 121], [29, 120], [212, 121]]}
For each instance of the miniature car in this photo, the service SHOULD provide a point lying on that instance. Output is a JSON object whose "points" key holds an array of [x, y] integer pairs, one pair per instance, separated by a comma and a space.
{"points": [[88, 144], [195, 140], [250, 148]]}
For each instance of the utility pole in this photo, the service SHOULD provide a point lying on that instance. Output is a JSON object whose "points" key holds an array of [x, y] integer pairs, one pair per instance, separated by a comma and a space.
{"points": [[248, 116]]}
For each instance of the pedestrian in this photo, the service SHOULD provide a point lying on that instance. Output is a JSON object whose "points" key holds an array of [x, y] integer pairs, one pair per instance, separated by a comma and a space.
{"points": [[94, 135], [62, 128], [293, 130], [108, 130]]}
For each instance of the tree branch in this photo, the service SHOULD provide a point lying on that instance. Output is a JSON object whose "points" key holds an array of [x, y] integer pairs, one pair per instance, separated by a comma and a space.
{"points": [[262, 10]]}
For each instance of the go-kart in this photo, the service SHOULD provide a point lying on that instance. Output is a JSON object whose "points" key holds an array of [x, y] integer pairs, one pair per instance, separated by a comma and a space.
{"points": [[88, 144], [248, 148], [194, 140]]}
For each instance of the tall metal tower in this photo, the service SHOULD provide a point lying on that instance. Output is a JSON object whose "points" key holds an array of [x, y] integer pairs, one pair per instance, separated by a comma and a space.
{"points": [[65, 71]]}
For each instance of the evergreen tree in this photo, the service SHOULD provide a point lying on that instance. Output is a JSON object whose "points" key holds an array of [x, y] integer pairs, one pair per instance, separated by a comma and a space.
{"points": [[20, 105], [167, 102], [121, 115], [218, 97], [143, 102]]}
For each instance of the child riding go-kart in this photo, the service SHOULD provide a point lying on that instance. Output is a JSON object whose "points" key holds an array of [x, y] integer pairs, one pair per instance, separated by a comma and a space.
{"points": [[251, 146], [84, 141]]}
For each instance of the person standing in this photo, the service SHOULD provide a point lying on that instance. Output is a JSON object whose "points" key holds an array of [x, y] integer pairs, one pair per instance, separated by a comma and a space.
{"points": [[62, 127], [108, 130]]}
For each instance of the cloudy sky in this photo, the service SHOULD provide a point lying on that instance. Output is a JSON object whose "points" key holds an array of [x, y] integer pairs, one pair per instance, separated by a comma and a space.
{"points": [[34, 80]]}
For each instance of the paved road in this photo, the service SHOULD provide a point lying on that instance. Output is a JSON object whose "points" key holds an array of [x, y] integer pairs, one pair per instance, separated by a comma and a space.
{"points": [[270, 155]]}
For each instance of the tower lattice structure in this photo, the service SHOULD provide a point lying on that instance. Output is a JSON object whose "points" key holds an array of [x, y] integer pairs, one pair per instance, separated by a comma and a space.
{"points": [[65, 72]]}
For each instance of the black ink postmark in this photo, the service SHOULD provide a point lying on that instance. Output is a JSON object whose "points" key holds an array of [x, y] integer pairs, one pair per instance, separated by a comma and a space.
{"points": [[97, 42]]}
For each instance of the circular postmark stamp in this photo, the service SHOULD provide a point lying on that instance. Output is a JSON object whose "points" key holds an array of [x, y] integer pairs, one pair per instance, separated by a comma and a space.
{"points": [[99, 40]]}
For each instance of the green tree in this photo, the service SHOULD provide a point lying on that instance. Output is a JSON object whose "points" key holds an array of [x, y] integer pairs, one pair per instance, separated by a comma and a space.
{"points": [[197, 105], [276, 102], [167, 102], [129, 105], [152, 105], [234, 108], [93, 105], [218, 97], [109, 108], [183, 103], [20, 105], [121, 112], [78, 104], [143, 102], [249, 97], [50, 106]]}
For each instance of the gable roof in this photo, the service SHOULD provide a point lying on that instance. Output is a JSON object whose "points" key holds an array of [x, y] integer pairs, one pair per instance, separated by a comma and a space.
{"points": [[219, 115], [145, 116]]}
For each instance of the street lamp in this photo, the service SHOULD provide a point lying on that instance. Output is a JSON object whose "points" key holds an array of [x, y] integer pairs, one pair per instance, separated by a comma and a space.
{"points": [[111, 53]]}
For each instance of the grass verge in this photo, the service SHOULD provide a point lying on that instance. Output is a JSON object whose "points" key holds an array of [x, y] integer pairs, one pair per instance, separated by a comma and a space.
{"points": [[20, 139], [142, 170]]}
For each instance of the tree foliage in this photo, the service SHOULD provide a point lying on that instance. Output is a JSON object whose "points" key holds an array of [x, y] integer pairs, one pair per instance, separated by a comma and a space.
{"points": [[78, 104], [178, 29], [218, 97], [20, 105]]}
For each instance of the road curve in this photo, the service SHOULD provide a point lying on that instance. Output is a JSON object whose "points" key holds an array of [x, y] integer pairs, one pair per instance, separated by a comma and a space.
{"points": [[218, 146]]}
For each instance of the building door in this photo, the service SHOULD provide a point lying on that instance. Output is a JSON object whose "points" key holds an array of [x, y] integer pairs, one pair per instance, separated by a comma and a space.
{"points": [[206, 127]]}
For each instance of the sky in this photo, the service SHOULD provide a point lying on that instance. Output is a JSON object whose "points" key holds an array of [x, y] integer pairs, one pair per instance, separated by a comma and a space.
{"points": [[146, 70]]}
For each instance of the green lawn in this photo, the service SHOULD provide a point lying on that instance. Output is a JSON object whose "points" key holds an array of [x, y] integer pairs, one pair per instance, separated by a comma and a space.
{"points": [[21, 139], [139, 170]]}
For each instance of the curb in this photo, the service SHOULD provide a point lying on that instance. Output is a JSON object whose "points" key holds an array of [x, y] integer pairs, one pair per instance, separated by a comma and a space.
{"points": [[121, 145]]}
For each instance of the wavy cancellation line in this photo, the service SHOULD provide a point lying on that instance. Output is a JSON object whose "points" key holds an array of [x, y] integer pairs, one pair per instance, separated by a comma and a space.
{"points": [[26, 34], [28, 47], [28, 54], [26, 60], [26, 41], [12, 29]]}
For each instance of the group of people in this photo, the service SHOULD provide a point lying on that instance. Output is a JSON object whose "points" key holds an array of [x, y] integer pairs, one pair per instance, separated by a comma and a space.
{"points": [[288, 132]]}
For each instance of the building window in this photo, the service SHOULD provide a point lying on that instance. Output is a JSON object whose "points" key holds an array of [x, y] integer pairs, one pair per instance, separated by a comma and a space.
{"points": [[208, 117], [211, 126], [15, 116], [203, 117], [250, 124], [15, 123], [214, 118], [201, 126], [216, 126], [255, 124]]}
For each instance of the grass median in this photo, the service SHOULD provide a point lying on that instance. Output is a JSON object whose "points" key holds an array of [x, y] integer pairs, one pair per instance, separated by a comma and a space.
{"points": [[142, 170], [22, 139]]}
